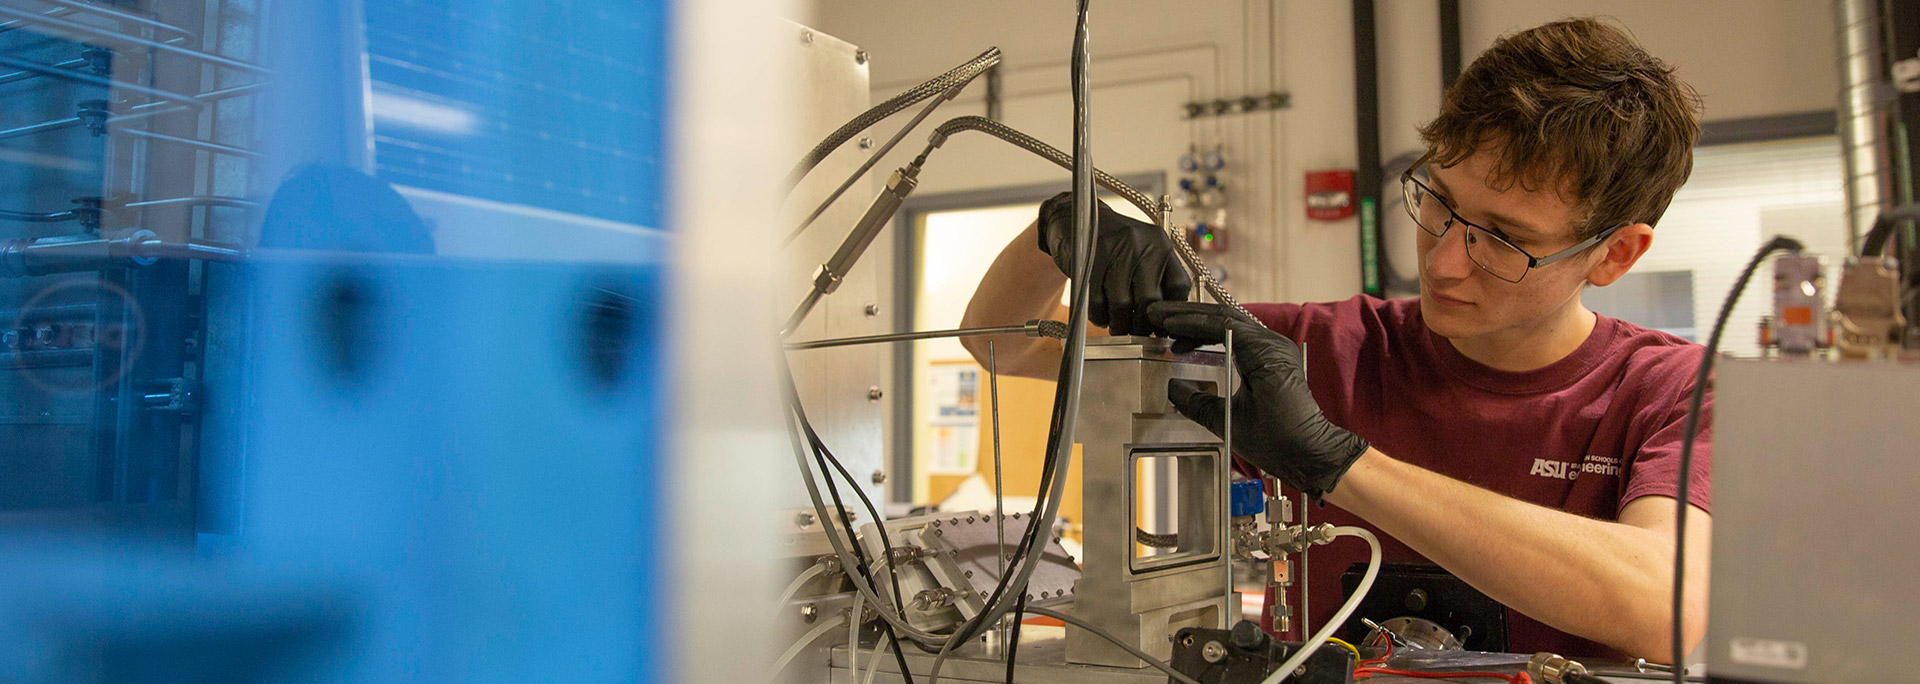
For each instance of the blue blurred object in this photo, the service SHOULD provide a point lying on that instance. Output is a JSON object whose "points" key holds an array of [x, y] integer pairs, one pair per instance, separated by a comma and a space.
{"points": [[416, 434], [1246, 497], [337, 209]]}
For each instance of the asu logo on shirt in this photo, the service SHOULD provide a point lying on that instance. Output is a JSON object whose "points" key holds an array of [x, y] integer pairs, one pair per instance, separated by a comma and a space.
{"points": [[1569, 470], [1559, 470]]}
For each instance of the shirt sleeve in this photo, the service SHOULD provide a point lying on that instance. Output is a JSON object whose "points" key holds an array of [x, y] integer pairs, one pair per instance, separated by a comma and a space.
{"points": [[1278, 317], [1656, 466]]}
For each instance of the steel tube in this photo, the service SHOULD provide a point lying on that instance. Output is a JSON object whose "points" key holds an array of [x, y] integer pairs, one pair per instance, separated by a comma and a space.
{"points": [[136, 112], [47, 358], [1031, 329], [204, 200], [19, 23], [189, 142], [105, 34], [90, 8], [24, 75], [90, 79]]}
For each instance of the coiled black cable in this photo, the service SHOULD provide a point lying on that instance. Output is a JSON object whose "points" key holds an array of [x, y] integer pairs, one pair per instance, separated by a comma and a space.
{"points": [[1689, 431]]}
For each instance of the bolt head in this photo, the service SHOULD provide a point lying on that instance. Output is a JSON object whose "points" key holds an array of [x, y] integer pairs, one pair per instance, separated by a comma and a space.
{"points": [[879, 477], [874, 394], [873, 310], [866, 143], [806, 37], [1213, 652], [809, 613], [859, 56]]}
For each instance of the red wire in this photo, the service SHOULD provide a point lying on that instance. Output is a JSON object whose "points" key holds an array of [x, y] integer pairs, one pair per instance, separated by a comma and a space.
{"points": [[1515, 678], [1383, 657]]}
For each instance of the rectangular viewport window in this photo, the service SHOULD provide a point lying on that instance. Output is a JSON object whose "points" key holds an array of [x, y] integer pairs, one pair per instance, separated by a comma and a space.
{"points": [[1176, 506]]}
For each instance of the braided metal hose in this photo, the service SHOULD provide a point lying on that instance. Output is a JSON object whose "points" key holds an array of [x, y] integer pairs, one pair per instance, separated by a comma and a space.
{"points": [[939, 84], [1105, 180]]}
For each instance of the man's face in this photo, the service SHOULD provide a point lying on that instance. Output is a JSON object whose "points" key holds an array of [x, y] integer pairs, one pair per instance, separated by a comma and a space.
{"points": [[1459, 300]]}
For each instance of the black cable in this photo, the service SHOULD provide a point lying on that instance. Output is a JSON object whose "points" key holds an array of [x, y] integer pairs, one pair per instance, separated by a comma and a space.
{"points": [[1013, 639], [1692, 428], [1083, 261], [1882, 231], [797, 417], [822, 456]]}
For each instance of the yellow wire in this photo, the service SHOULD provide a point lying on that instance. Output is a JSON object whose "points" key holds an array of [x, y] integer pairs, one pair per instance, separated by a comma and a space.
{"points": [[1344, 644]]}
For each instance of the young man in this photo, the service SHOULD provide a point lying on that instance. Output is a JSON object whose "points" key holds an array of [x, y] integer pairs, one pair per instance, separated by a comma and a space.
{"points": [[1494, 425]]}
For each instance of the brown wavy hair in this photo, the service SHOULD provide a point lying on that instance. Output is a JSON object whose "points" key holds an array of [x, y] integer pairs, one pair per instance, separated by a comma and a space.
{"points": [[1576, 106]]}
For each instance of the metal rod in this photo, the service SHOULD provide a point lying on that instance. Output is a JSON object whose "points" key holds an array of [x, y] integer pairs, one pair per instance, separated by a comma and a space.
{"points": [[91, 8], [105, 34], [136, 112], [20, 23], [49, 312], [47, 358], [1226, 484], [90, 79], [189, 142], [24, 75], [1031, 329], [868, 164], [30, 217], [191, 249], [999, 506], [205, 200], [54, 125]]}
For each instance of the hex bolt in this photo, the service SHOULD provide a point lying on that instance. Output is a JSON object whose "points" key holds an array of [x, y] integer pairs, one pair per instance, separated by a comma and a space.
{"points": [[879, 477], [1416, 600], [1213, 652], [809, 613], [94, 114]]}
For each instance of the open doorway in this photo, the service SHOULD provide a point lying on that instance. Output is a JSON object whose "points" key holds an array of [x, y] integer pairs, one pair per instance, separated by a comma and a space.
{"points": [[944, 430]]}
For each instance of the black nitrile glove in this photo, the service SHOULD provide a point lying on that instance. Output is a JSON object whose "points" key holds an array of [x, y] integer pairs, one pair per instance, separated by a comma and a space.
{"points": [[1133, 264], [1276, 423]]}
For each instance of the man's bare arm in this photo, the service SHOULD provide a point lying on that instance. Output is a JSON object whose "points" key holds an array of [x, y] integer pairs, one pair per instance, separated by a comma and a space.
{"points": [[1023, 284], [1611, 582]]}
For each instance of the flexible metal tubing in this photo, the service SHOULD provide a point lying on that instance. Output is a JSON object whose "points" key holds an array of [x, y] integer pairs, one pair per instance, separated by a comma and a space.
{"points": [[1105, 180], [939, 84]]}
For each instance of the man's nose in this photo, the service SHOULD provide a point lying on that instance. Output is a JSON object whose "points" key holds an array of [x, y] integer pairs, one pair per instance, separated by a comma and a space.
{"points": [[1448, 260]]}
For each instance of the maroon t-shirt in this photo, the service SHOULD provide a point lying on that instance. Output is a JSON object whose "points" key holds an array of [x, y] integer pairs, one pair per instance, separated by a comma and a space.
{"points": [[1585, 435]]}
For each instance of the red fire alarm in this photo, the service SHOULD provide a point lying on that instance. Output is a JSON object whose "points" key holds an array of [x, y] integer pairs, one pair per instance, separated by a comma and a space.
{"points": [[1329, 195]]}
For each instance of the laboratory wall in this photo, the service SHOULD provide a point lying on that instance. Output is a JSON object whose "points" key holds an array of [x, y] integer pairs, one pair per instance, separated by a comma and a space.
{"points": [[1747, 58]]}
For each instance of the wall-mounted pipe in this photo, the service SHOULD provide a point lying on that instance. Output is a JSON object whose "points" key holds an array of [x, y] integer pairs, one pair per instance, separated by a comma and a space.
{"points": [[1450, 55], [1366, 118], [1865, 146]]}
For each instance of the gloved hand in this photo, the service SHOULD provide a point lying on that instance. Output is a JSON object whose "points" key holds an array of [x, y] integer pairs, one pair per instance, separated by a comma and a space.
{"points": [[1133, 264], [1276, 423]]}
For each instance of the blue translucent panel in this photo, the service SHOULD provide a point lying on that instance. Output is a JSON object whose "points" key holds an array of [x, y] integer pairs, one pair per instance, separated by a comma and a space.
{"points": [[548, 104]]}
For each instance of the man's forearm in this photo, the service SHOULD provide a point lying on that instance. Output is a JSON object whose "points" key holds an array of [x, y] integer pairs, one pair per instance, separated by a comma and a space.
{"points": [[1021, 285], [1607, 581]]}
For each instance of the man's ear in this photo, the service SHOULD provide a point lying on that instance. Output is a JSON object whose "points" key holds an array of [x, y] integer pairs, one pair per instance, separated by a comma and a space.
{"points": [[1619, 252]]}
